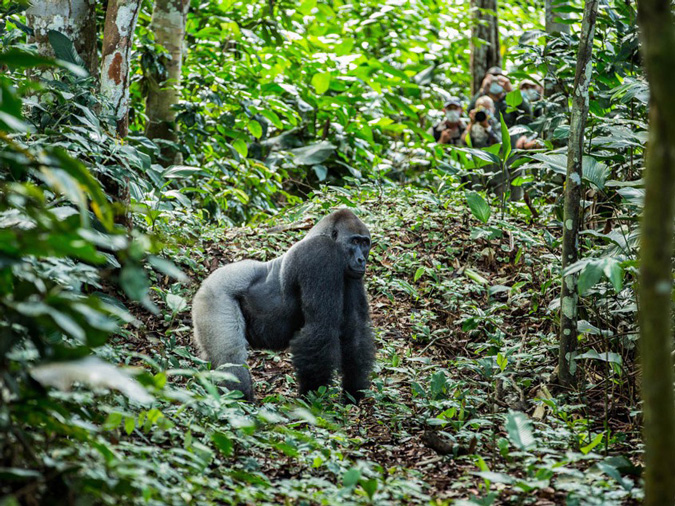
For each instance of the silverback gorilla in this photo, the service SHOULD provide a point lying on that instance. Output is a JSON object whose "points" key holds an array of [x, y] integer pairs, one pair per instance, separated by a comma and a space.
{"points": [[311, 298]]}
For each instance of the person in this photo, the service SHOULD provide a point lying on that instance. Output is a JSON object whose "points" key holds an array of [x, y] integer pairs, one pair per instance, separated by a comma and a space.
{"points": [[449, 129], [497, 85], [482, 129], [532, 93]]}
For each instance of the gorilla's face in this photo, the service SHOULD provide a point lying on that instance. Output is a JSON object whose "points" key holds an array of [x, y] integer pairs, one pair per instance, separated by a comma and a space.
{"points": [[358, 247]]}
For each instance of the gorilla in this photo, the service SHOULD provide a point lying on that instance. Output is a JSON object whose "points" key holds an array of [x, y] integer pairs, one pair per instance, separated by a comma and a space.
{"points": [[311, 298]]}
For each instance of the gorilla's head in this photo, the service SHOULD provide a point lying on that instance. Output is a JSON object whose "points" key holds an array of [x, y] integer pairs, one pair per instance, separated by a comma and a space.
{"points": [[353, 236]]}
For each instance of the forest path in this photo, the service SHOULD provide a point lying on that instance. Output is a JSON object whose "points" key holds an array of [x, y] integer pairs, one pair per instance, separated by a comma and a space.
{"points": [[464, 332]]}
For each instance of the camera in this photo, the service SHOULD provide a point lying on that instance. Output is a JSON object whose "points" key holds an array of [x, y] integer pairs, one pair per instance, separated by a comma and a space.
{"points": [[480, 116]]}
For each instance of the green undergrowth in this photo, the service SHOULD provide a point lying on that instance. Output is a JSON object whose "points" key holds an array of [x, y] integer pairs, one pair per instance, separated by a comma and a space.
{"points": [[462, 406]]}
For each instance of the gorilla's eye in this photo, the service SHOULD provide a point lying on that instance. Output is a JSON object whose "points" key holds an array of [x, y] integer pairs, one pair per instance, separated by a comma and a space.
{"points": [[334, 234]]}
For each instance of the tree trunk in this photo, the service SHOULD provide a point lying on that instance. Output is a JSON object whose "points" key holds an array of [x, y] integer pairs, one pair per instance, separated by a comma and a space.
{"points": [[484, 41], [656, 341], [118, 34], [76, 19], [553, 86], [550, 14], [572, 208], [168, 25]]}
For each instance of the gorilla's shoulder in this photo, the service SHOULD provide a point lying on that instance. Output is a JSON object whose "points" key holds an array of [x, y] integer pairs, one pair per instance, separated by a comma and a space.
{"points": [[315, 252], [316, 245]]}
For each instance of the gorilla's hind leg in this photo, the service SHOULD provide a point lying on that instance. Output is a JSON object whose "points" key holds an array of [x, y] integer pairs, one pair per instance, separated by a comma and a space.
{"points": [[219, 332]]}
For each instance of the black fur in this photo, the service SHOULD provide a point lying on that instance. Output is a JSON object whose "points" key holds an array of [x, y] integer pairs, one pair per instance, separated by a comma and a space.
{"points": [[312, 299]]}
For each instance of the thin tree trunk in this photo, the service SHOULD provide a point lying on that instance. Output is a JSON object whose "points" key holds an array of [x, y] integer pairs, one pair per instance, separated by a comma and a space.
{"points": [[552, 84], [572, 208], [168, 25], [484, 40], [657, 27], [118, 34], [76, 19], [550, 14]]}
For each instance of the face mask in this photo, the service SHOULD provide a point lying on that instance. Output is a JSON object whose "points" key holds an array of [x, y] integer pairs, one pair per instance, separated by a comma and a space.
{"points": [[496, 88], [531, 94], [452, 116]]}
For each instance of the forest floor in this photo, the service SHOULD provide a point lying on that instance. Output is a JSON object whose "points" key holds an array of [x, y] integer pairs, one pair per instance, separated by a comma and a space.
{"points": [[464, 399]]}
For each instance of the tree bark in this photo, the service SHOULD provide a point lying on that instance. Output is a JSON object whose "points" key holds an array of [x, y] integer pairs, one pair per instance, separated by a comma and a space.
{"points": [[552, 84], [484, 41], [550, 14], [168, 25], [657, 28], [118, 34], [572, 208], [76, 19]]}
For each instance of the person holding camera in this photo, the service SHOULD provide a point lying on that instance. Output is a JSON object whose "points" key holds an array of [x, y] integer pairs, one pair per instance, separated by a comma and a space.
{"points": [[449, 129], [482, 129], [497, 85]]}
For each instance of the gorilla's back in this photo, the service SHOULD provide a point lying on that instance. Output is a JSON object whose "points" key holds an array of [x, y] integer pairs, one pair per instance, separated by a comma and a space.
{"points": [[272, 314]]}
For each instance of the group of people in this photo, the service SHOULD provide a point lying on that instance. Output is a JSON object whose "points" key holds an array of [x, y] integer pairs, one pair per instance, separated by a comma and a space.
{"points": [[483, 127]]}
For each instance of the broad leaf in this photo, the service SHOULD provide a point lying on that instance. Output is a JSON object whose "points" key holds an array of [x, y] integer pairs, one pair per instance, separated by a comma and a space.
{"points": [[314, 153], [64, 49], [519, 429], [321, 82], [479, 208]]}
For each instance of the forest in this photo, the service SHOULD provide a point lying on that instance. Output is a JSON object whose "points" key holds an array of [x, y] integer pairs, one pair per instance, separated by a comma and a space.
{"points": [[318, 252]]}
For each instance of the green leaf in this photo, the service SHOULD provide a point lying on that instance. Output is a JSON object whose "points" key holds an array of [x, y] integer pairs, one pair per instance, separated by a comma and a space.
{"points": [[321, 171], [596, 441], [589, 277], [370, 487], [313, 154], [175, 302], [479, 208], [240, 147], [321, 82], [167, 267], [19, 59], [614, 272], [129, 424], [134, 281], [506, 139], [519, 429], [418, 273], [64, 49], [223, 443], [611, 357], [273, 117], [351, 477], [255, 128], [594, 172], [514, 98]]}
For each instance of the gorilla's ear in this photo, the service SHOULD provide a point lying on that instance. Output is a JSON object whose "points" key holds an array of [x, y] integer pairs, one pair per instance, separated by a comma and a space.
{"points": [[334, 234]]}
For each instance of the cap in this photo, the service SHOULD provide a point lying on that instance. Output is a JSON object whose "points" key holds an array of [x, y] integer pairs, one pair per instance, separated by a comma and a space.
{"points": [[527, 82], [452, 101], [496, 71]]}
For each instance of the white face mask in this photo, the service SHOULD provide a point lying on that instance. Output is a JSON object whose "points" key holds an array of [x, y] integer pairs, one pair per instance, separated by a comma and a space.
{"points": [[496, 88], [531, 94], [452, 116]]}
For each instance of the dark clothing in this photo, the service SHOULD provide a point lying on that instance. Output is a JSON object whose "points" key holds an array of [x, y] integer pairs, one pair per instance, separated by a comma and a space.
{"points": [[456, 131], [521, 116]]}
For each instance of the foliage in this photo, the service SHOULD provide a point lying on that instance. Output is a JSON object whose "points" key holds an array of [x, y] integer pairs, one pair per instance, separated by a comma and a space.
{"points": [[279, 100]]}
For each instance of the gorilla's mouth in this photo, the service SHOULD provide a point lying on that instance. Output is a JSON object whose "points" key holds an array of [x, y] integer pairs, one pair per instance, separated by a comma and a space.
{"points": [[357, 273]]}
